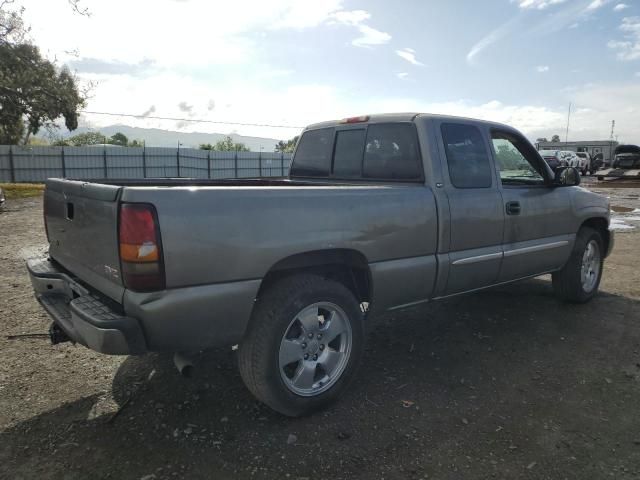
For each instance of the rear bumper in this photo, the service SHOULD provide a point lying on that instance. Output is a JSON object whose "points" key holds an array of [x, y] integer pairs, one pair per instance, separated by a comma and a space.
{"points": [[184, 319], [82, 315]]}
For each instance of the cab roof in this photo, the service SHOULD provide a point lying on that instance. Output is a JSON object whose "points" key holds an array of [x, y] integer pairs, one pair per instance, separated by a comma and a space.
{"points": [[398, 117]]}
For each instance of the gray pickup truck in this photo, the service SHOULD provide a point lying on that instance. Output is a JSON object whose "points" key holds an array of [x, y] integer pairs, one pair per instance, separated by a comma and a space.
{"points": [[379, 213]]}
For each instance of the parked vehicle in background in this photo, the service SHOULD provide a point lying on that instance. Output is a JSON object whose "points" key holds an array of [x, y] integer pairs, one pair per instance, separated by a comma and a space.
{"points": [[626, 163], [586, 162], [554, 158], [2, 198], [379, 213], [627, 156], [576, 161]]}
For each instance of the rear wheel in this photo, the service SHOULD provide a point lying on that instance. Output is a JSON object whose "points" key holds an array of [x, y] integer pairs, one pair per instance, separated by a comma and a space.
{"points": [[304, 344], [579, 280]]}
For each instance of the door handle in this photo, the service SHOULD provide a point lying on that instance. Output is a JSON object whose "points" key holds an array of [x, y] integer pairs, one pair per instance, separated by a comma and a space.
{"points": [[513, 208]]}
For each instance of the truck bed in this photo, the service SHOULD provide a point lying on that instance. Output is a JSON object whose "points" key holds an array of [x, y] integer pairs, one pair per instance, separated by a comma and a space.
{"points": [[225, 231]]}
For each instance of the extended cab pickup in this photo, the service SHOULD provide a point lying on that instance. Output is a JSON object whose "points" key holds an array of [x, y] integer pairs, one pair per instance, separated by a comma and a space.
{"points": [[379, 213]]}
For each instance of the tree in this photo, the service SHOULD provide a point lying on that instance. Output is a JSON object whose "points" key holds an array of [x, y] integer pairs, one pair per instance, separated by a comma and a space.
{"points": [[555, 138], [228, 145], [509, 158], [87, 138], [136, 143], [34, 92], [206, 146], [119, 139], [12, 28], [288, 146], [541, 139]]}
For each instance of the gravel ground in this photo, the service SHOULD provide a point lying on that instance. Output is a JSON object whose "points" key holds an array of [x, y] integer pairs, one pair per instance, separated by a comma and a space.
{"points": [[507, 383]]}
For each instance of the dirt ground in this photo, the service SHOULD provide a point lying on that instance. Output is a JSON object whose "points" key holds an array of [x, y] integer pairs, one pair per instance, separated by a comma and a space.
{"points": [[507, 383]]}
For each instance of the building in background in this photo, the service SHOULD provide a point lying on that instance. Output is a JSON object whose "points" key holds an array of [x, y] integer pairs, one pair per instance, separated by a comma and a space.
{"points": [[598, 149]]}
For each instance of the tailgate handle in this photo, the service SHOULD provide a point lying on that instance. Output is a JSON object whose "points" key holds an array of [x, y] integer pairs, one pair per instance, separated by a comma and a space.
{"points": [[70, 211]]}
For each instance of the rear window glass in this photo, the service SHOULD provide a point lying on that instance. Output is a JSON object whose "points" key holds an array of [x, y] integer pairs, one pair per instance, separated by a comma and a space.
{"points": [[467, 156], [347, 159], [391, 152], [313, 154]]}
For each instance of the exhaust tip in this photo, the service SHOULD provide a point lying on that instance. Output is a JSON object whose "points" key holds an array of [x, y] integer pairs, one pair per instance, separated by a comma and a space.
{"points": [[57, 335], [184, 364]]}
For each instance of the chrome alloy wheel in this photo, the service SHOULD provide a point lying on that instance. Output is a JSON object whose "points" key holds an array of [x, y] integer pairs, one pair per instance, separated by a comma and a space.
{"points": [[590, 266], [315, 349]]}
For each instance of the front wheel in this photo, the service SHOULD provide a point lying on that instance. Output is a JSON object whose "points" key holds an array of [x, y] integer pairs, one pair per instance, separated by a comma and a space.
{"points": [[303, 345], [579, 279]]}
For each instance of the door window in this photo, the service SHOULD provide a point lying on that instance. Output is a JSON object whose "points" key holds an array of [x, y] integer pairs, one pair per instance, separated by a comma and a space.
{"points": [[467, 156], [514, 162]]}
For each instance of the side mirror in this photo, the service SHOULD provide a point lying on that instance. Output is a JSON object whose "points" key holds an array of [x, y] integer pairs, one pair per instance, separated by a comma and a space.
{"points": [[567, 177]]}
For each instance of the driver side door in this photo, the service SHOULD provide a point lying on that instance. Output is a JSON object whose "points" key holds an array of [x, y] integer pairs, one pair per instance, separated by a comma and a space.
{"points": [[537, 237]]}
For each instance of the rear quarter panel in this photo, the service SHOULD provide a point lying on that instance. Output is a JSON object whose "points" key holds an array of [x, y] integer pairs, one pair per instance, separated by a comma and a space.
{"points": [[224, 234]]}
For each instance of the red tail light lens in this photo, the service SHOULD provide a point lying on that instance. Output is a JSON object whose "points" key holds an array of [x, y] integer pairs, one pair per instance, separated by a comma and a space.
{"points": [[360, 119], [140, 248]]}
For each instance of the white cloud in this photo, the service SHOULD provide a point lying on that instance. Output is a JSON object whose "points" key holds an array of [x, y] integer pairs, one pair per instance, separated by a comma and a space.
{"points": [[537, 4], [195, 32], [629, 48], [530, 23], [353, 17], [494, 36], [619, 7], [409, 54], [605, 103], [595, 4], [402, 75], [596, 106], [368, 35], [542, 68], [298, 14]]}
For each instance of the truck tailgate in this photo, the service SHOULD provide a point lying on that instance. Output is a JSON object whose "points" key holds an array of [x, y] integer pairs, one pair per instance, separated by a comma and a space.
{"points": [[82, 225]]}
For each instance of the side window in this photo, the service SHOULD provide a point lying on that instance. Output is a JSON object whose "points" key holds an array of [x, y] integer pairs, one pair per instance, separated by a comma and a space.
{"points": [[391, 152], [313, 154], [511, 155], [467, 156], [347, 159]]}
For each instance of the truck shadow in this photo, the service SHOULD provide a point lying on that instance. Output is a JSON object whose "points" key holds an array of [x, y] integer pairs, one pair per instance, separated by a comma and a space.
{"points": [[506, 375]]}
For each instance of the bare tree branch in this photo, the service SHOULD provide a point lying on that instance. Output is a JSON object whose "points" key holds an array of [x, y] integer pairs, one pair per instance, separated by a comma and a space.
{"points": [[75, 5]]}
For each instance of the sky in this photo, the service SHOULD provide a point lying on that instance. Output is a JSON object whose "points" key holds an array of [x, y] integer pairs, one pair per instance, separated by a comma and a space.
{"points": [[295, 62]]}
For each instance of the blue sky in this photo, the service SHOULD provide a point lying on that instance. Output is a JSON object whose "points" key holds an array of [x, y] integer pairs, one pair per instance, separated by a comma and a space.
{"points": [[295, 62]]}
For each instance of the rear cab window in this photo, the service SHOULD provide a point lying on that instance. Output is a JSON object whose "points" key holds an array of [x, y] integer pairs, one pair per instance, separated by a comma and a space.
{"points": [[467, 156], [313, 154], [376, 151]]}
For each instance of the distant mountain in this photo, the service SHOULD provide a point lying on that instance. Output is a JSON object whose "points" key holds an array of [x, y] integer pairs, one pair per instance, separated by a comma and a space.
{"points": [[155, 137]]}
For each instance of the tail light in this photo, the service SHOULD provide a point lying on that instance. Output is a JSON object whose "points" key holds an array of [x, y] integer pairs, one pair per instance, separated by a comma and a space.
{"points": [[140, 248]]}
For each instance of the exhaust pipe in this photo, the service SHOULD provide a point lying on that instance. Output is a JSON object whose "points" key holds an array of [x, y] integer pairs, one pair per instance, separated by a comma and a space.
{"points": [[57, 335], [183, 363]]}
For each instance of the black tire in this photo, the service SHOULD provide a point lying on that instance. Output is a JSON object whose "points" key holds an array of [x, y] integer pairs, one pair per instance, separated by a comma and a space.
{"points": [[567, 283], [272, 316]]}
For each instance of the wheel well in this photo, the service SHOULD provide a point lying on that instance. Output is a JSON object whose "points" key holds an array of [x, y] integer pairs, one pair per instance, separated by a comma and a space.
{"points": [[599, 224], [349, 267]]}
